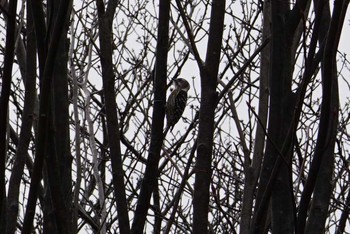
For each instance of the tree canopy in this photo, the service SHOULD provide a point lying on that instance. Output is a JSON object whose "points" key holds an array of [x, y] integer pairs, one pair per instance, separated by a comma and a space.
{"points": [[262, 147]]}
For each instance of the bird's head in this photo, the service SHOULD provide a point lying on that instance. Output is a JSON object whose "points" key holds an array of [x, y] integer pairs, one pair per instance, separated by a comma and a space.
{"points": [[182, 84]]}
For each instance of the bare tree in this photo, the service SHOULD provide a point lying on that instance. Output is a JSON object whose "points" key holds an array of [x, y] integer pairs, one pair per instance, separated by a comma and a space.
{"points": [[262, 146]]}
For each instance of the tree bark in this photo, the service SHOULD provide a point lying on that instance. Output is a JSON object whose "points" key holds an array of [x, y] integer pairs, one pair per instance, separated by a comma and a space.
{"points": [[25, 135], [327, 132], [208, 104], [275, 188], [105, 20], [4, 103], [252, 171], [44, 140], [150, 178]]}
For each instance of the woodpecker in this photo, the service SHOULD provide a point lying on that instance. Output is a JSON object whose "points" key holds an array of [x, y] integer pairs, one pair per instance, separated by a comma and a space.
{"points": [[176, 103]]}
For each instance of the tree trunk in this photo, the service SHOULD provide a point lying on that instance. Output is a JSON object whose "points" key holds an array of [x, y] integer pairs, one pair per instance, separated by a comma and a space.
{"points": [[253, 171], [105, 19], [320, 174], [150, 178], [4, 103], [208, 104]]}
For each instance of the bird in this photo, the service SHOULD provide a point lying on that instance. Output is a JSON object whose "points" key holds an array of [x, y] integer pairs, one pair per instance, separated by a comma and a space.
{"points": [[176, 102]]}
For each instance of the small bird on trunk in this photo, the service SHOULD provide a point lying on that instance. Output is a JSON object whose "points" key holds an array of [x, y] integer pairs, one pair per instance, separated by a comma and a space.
{"points": [[176, 103]]}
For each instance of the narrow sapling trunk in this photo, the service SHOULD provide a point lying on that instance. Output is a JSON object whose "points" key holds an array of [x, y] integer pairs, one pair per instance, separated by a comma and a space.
{"points": [[208, 104]]}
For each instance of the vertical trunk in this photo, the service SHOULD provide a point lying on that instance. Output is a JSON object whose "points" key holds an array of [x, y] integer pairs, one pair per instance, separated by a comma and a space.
{"points": [[24, 139], [275, 186], [4, 101], [58, 199], [61, 117], [253, 171], [59, 135], [281, 101], [206, 118], [150, 178], [105, 20], [323, 187], [40, 33], [46, 141], [321, 168]]}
